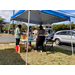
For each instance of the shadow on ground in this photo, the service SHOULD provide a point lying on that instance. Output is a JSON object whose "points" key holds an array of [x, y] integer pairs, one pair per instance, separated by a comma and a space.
{"points": [[57, 49], [10, 57]]}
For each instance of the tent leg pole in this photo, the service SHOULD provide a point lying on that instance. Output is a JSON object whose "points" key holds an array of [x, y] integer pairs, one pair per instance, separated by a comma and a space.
{"points": [[7, 36], [27, 36], [71, 39]]}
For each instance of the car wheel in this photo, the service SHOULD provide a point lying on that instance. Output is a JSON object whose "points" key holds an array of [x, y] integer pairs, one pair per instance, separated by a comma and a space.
{"points": [[57, 41]]}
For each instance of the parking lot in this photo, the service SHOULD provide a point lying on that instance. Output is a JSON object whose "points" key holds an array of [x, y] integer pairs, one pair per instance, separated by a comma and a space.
{"points": [[65, 46]]}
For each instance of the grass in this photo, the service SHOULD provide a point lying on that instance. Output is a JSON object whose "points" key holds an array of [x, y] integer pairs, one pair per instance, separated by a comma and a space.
{"points": [[57, 56], [9, 56]]}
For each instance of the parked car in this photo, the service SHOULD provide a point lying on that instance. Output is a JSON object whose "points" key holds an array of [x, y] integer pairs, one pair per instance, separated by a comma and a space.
{"points": [[65, 36], [50, 36]]}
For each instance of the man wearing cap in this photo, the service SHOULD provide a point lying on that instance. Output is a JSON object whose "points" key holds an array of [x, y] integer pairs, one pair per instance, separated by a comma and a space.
{"points": [[18, 36]]}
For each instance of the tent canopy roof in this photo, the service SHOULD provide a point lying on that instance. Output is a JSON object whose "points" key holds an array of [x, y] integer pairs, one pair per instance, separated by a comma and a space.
{"points": [[37, 16]]}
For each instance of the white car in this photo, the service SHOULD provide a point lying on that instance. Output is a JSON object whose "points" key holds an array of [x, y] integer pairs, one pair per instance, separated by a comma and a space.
{"points": [[64, 36]]}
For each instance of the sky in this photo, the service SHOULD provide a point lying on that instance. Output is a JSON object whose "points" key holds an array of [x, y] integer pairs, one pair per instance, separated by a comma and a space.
{"points": [[67, 12], [6, 14]]}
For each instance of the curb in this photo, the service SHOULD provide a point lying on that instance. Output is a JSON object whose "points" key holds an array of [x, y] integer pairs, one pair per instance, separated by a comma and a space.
{"points": [[11, 43]]}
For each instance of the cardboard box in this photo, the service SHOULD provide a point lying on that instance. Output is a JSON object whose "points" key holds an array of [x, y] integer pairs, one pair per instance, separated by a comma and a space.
{"points": [[30, 48], [21, 45], [21, 48]]}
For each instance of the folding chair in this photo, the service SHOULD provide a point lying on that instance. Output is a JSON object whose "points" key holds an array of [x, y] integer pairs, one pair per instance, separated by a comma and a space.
{"points": [[48, 46]]}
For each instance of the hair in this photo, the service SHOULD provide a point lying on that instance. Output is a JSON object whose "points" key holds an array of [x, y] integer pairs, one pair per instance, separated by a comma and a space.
{"points": [[19, 26], [40, 27], [29, 27]]}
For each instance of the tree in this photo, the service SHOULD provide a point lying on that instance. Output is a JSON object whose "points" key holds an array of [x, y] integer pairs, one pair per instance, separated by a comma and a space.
{"points": [[58, 27], [32, 27], [7, 26], [1, 19], [24, 27]]}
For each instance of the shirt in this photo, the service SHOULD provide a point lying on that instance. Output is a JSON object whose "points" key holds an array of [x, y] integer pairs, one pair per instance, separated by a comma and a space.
{"points": [[40, 33], [17, 31]]}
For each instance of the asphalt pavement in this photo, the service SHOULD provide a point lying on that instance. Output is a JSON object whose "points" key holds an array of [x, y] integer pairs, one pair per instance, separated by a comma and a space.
{"points": [[7, 39]]}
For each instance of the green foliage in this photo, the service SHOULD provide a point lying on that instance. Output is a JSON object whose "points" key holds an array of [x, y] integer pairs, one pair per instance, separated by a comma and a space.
{"points": [[24, 27], [7, 26], [58, 27], [1, 19]]}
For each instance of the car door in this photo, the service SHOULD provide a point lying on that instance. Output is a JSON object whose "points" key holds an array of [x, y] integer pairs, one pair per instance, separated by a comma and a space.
{"points": [[69, 36], [63, 36], [73, 36]]}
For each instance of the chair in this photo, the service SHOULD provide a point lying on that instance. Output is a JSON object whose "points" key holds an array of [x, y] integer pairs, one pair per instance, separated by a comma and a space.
{"points": [[48, 45]]}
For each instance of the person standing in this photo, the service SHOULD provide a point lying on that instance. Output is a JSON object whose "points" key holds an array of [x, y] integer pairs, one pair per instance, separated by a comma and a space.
{"points": [[18, 36], [49, 31], [30, 34], [40, 38]]}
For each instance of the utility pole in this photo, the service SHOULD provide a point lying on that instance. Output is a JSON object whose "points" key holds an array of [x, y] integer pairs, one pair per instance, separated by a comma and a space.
{"points": [[13, 24]]}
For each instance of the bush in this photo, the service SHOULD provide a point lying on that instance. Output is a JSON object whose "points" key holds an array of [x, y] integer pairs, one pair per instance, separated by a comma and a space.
{"points": [[58, 27]]}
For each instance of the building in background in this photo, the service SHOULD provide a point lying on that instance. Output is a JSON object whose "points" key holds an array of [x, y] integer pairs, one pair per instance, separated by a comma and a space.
{"points": [[46, 26], [2, 24]]}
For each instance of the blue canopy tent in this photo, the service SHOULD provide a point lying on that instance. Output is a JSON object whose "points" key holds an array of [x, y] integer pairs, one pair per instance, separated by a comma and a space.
{"points": [[38, 17], [44, 16]]}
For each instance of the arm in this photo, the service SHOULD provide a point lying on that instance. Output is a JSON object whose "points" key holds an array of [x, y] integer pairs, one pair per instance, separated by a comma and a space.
{"points": [[30, 32], [37, 35], [22, 33]]}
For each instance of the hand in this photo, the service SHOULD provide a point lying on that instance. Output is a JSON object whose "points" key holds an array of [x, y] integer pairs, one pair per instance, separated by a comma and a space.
{"points": [[30, 33], [24, 33]]}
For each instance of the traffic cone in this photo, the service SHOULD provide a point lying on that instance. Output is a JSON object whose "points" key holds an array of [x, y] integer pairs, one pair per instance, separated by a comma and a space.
{"points": [[16, 48]]}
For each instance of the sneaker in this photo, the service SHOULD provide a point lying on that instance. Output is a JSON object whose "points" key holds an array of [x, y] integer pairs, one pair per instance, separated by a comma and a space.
{"points": [[35, 51], [41, 51]]}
